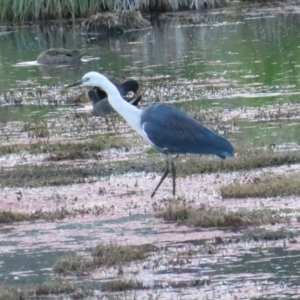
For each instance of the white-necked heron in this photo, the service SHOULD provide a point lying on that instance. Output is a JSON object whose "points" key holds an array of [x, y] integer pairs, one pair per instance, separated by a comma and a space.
{"points": [[169, 130]]}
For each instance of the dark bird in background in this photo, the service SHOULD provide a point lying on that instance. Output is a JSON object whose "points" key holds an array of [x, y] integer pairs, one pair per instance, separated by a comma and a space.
{"points": [[58, 56], [101, 106], [168, 129], [123, 87]]}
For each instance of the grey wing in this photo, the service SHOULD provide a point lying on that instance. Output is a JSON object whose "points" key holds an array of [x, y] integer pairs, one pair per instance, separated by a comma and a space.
{"points": [[173, 131]]}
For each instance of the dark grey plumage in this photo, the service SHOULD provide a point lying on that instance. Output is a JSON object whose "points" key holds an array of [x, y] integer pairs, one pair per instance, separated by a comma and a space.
{"points": [[172, 131], [101, 107]]}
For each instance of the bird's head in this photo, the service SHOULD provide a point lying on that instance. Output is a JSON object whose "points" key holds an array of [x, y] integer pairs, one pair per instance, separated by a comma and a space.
{"points": [[91, 79]]}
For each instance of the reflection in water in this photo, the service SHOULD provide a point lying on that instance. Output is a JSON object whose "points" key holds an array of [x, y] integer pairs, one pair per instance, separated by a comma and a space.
{"points": [[241, 50]]}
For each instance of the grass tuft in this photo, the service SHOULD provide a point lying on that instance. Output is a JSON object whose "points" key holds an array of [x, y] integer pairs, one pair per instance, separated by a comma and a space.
{"points": [[121, 286], [11, 293], [9, 217], [70, 150], [220, 217], [32, 292], [37, 130], [118, 254], [59, 214], [72, 264], [102, 255], [245, 159], [270, 187]]}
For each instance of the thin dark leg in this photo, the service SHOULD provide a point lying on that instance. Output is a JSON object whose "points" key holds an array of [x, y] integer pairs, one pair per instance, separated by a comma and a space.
{"points": [[173, 175], [162, 178]]}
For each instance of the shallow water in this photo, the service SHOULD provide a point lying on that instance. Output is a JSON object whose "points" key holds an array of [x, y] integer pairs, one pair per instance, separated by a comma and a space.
{"points": [[228, 61], [242, 260]]}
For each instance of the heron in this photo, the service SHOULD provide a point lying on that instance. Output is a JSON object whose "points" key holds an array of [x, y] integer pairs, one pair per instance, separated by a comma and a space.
{"points": [[168, 129]]}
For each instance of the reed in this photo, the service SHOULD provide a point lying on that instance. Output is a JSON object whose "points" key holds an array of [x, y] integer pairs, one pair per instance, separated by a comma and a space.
{"points": [[34, 10]]}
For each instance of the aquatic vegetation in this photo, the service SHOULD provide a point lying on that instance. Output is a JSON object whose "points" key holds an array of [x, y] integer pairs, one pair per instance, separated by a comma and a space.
{"points": [[116, 254], [262, 234], [72, 264], [61, 174], [37, 130], [247, 159], [44, 289], [102, 255], [205, 216], [272, 186], [9, 217], [122, 285], [68, 150]]}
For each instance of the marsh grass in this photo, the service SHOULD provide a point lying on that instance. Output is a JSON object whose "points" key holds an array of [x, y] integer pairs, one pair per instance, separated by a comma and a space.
{"points": [[11, 293], [122, 285], [245, 159], [219, 217], [103, 255], [34, 292], [58, 214], [273, 186], [60, 174], [9, 217], [73, 264], [125, 285], [28, 10], [69, 150], [118, 254], [267, 235], [37, 130]]}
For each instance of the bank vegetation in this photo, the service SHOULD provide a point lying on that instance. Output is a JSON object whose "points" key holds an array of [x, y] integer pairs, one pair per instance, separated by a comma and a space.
{"points": [[43, 10]]}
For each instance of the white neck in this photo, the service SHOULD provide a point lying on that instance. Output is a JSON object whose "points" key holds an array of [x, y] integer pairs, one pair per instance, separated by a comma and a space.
{"points": [[129, 112]]}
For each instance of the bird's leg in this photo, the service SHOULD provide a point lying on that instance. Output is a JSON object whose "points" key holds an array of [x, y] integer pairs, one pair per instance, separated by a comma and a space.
{"points": [[167, 170], [114, 124], [107, 122], [173, 174]]}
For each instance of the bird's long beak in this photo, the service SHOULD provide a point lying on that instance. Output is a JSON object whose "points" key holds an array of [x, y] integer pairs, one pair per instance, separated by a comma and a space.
{"points": [[77, 83]]}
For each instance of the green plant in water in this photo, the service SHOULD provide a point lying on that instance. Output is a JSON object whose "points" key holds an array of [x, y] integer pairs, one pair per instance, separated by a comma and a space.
{"points": [[102, 255], [122, 285], [219, 217], [37, 130], [274, 186]]}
